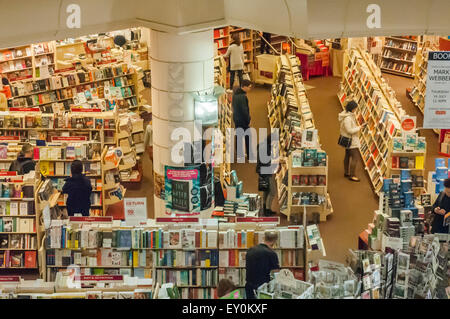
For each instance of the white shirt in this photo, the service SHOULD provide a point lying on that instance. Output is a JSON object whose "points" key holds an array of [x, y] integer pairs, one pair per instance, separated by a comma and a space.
{"points": [[236, 54]]}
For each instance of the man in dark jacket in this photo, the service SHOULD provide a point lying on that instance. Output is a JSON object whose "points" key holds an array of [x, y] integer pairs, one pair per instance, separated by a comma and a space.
{"points": [[241, 112], [260, 261], [441, 207], [24, 162], [79, 189]]}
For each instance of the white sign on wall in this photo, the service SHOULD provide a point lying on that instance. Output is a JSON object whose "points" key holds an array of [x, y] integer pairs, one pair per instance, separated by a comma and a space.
{"points": [[437, 97], [135, 211]]}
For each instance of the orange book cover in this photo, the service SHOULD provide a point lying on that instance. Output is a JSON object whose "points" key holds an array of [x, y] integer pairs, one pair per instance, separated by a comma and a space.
{"points": [[30, 259]]}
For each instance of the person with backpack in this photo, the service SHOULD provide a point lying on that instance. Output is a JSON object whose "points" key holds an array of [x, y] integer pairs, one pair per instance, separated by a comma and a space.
{"points": [[440, 208], [24, 162], [78, 188]]}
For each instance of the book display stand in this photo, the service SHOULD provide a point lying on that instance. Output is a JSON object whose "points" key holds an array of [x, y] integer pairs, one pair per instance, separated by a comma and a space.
{"points": [[398, 55]]}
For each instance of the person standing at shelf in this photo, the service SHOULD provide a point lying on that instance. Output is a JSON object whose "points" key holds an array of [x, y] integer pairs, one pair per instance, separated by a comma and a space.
{"points": [[267, 167], [24, 162], [265, 48], [441, 207], [236, 64], [241, 111], [260, 262], [78, 188], [349, 128]]}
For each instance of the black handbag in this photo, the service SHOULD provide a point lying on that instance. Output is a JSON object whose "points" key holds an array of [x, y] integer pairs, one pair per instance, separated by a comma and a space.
{"points": [[263, 183], [345, 141]]}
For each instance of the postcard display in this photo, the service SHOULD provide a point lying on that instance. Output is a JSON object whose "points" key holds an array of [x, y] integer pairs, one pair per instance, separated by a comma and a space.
{"points": [[379, 108], [289, 111]]}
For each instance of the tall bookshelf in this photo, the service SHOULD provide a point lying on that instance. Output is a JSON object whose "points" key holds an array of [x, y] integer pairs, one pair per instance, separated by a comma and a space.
{"points": [[276, 41], [19, 237], [398, 55]]}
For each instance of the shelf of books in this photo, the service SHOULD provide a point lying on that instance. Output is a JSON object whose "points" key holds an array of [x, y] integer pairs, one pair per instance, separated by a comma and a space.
{"points": [[398, 55], [276, 41], [378, 107], [307, 183], [225, 118], [19, 240]]}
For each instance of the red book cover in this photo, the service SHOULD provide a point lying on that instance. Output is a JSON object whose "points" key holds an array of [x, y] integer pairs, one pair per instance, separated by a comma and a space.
{"points": [[231, 257], [36, 153], [197, 239], [394, 161], [239, 239], [99, 257], [152, 235], [30, 259]]}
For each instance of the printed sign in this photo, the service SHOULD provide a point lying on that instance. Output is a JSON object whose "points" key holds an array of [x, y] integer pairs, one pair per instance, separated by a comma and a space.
{"points": [[9, 278], [75, 109], [24, 109], [9, 138], [258, 220], [182, 190], [94, 219], [97, 278], [163, 220], [69, 138], [437, 96], [408, 123], [135, 211], [8, 173]]}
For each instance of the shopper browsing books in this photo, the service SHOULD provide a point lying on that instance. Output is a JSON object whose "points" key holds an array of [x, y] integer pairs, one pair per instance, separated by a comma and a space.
{"points": [[79, 189], [441, 207], [349, 129], [241, 111], [260, 261], [227, 290], [236, 53], [267, 167], [24, 162]]}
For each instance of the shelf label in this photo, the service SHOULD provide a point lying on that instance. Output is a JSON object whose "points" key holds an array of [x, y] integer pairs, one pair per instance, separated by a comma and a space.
{"points": [[69, 138], [24, 109], [437, 94], [78, 109], [177, 220], [104, 278], [9, 278], [258, 220], [80, 219], [9, 138], [8, 173]]}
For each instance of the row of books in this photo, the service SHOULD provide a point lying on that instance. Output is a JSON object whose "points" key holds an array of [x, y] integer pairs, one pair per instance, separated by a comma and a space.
{"points": [[65, 237], [236, 258], [14, 259], [410, 142], [69, 79], [18, 241], [401, 44], [309, 180], [307, 198], [407, 57], [15, 53], [14, 208], [179, 258], [197, 277], [70, 151], [16, 190], [309, 158], [57, 120], [58, 183], [17, 225], [405, 162], [49, 168], [401, 67]]}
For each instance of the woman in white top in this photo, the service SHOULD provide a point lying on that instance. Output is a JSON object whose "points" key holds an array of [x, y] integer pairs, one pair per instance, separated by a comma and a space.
{"points": [[236, 53], [350, 128]]}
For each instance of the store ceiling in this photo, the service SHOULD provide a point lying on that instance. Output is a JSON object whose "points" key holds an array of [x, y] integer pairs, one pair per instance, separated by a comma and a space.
{"points": [[24, 21]]}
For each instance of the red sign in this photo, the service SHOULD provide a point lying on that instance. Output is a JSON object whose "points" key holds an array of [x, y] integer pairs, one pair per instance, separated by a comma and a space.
{"points": [[9, 278], [9, 138], [24, 109], [65, 70], [440, 112], [80, 219], [106, 278], [69, 138], [8, 173], [258, 220], [177, 220], [408, 125], [78, 109]]}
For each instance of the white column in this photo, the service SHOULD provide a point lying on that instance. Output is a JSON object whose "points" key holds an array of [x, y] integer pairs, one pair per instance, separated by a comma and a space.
{"points": [[181, 65]]}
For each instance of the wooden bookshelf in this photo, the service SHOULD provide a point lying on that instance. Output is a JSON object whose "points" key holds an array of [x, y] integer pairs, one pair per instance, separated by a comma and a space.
{"points": [[398, 55]]}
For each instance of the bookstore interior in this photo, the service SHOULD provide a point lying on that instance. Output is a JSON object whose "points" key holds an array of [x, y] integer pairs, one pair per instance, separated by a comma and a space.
{"points": [[158, 229]]}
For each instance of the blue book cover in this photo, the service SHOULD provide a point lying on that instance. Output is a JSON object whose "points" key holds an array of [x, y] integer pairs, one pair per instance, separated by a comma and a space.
{"points": [[406, 186], [441, 173], [439, 162], [409, 199], [125, 238], [405, 175], [386, 183]]}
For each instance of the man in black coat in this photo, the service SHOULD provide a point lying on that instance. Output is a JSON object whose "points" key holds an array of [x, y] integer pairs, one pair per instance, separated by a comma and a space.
{"points": [[79, 189], [441, 207], [24, 162], [241, 111]]}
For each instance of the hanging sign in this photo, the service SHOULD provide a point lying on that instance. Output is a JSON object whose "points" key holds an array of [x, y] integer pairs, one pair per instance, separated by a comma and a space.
{"points": [[24, 109], [69, 138], [9, 278], [82, 219], [135, 211], [9, 138], [100, 278], [437, 97], [270, 220], [78, 109], [164, 220]]}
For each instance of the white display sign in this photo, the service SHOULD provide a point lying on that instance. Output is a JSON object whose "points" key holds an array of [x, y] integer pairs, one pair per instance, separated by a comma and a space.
{"points": [[437, 97], [135, 211]]}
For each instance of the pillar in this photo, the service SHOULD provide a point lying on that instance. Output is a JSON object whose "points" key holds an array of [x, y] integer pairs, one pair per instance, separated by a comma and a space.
{"points": [[181, 65]]}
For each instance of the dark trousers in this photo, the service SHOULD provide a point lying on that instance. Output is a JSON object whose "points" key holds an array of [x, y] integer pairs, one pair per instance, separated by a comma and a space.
{"points": [[232, 73], [350, 160], [247, 143], [264, 46], [249, 292]]}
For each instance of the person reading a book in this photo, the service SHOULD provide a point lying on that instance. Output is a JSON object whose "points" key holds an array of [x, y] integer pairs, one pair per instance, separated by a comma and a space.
{"points": [[236, 53], [440, 208], [349, 128], [24, 162], [260, 261], [78, 188]]}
